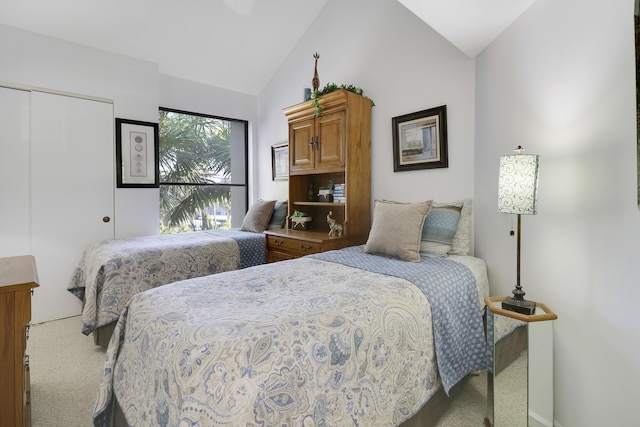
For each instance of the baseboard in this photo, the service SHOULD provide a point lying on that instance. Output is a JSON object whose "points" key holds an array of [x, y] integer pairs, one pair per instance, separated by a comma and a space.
{"points": [[536, 420]]}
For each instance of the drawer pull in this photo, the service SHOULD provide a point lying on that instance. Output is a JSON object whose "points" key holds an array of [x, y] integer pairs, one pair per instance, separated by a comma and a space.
{"points": [[305, 248], [278, 242]]}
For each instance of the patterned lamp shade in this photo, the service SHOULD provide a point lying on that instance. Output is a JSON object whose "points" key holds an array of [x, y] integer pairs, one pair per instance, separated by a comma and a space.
{"points": [[518, 184]]}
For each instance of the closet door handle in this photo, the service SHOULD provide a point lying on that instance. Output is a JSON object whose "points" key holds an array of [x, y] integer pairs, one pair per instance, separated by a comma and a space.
{"points": [[106, 219]]}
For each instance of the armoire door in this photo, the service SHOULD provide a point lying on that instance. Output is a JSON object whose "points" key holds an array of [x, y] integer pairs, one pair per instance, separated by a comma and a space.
{"points": [[14, 172], [332, 136], [301, 146], [72, 192]]}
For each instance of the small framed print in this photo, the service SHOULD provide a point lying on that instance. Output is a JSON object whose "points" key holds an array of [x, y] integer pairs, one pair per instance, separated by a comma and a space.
{"points": [[280, 161], [137, 154], [420, 140]]}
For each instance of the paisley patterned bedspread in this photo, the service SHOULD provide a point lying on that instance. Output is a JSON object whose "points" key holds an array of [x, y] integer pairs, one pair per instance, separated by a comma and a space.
{"points": [[304, 342], [452, 292], [112, 271]]}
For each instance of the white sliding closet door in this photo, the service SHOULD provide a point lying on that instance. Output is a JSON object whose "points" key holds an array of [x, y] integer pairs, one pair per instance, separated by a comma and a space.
{"points": [[72, 190], [15, 180]]}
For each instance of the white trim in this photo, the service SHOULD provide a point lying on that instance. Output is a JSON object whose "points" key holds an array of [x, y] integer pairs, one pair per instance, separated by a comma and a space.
{"points": [[54, 92]]}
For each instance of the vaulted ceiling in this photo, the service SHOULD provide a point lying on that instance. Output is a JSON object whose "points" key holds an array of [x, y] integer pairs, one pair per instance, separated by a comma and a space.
{"points": [[223, 42]]}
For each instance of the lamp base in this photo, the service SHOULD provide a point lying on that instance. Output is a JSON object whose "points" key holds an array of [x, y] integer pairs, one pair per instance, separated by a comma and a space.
{"points": [[519, 305]]}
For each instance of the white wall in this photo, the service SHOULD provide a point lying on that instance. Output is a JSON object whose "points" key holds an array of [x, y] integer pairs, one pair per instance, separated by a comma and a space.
{"points": [[136, 90], [560, 81], [403, 66], [37, 61]]}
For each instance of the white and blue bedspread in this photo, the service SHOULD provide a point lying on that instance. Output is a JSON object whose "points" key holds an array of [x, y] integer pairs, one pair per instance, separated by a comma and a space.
{"points": [[304, 342], [112, 271], [451, 289]]}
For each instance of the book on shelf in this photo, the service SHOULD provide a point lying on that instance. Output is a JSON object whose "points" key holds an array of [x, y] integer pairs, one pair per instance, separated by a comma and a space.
{"points": [[339, 193]]}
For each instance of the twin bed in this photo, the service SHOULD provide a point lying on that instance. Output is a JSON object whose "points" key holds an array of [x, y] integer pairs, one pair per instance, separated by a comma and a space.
{"points": [[347, 337], [339, 338], [112, 271]]}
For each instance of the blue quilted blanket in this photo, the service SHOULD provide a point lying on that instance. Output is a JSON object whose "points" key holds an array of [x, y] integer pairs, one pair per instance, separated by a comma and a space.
{"points": [[451, 290]]}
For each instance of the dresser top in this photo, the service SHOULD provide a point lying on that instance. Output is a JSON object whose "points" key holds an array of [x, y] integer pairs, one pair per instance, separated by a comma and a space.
{"points": [[18, 270]]}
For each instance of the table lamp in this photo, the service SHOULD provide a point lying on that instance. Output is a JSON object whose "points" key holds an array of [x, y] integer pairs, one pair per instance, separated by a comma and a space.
{"points": [[517, 194]]}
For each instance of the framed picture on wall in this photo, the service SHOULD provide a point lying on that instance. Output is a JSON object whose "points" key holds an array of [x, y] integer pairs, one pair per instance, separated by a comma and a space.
{"points": [[280, 161], [420, 140], [137, 151]]}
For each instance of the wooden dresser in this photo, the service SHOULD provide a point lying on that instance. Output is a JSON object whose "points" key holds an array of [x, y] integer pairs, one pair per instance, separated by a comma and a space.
{"points": [[330, 148], [18, 277]]}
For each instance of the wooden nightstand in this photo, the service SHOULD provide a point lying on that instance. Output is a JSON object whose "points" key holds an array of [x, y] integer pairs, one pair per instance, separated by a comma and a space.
{"points": [[18, 277], [286, 244], [521, 354]]}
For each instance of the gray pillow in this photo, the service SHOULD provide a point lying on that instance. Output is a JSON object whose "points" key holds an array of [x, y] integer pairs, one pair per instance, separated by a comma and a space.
{"points": [[258, 217], [397, 229]]}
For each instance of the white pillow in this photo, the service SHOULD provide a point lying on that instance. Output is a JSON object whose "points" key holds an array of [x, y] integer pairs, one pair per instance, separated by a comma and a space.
{"points": [[461, 244], [397, 229]]}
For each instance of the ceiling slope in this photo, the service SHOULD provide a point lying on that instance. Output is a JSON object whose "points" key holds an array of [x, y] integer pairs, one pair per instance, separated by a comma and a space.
{"points": [[232, 44], [470, 25]]}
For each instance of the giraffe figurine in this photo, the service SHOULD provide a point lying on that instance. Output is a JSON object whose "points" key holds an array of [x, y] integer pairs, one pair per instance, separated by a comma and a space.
{"points": [[316, 80]]}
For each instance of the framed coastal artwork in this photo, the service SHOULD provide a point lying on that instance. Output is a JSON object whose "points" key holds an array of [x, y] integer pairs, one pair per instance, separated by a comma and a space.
{"points": [[420, 140], [280, 161]]}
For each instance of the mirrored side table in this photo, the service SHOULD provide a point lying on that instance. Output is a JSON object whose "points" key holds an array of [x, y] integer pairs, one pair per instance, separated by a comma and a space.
{"points": [[520, 366]]}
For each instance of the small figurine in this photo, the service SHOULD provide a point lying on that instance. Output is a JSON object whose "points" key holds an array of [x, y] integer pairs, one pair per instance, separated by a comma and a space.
{"points": [[316, 80], [335, 229]]}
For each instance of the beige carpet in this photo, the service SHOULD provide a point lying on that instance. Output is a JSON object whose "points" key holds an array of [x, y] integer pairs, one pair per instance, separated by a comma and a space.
{"points": [[65, 372], [66, 368]]}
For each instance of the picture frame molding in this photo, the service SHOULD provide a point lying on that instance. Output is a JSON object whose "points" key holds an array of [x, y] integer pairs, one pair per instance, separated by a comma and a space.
{"points": [[433, 118], [279, 160], [149, 133]]}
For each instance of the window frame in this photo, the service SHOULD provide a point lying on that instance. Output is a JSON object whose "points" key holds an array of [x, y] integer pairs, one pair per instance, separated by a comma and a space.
{"points": [[245, 124]]}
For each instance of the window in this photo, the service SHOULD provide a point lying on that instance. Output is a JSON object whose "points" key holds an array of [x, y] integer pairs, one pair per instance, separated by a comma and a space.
{"points": [[203, 171]]}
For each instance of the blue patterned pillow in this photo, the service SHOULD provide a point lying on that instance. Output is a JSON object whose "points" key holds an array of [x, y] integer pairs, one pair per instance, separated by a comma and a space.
{"points": [[279, 215], [439, 229]]}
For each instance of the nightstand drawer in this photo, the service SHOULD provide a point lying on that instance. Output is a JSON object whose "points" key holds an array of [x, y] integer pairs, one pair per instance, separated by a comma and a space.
{"points": [[275, 255], [279, 243]]}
